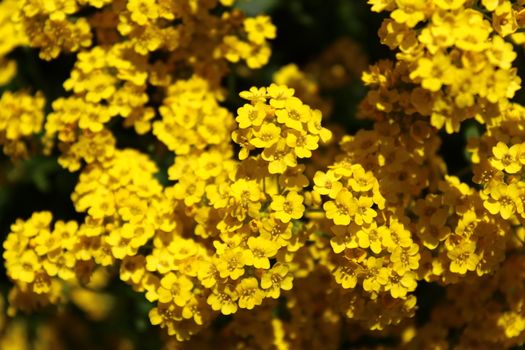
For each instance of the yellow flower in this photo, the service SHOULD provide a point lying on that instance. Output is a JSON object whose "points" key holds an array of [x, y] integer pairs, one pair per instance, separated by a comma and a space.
{"points": [[210, 164], [25, 268], [195, 310], [361, 181], [259, 29], [274, 229], [506, 158], [254, 95], [160, 260], [257, 56], [345, 237], [275, 279], [279, 95], [302, 144], [347, 275], [410, 12], [138, 234], [218, 195], [327, 183], [396, 236], [231, 263], [22, 116], [434, 72], [501, 53], [143, 10], [46, 242], [164, 315], [472, 31], [504, 19], [175, 288], [132, 269], [208, 274], [371, 236], [260, 251], [251, 115], [463, 257], [314, 126], [250, 295], [247, 195], [279, 157], [467, 224], [512, 323], [375, 275], [224, 299], [189, 191], [503, 199], [405, 259], [120, 247], [267, 135], [342, 209], [400, 284], [289, 207], [294, 114], [364, 213]]}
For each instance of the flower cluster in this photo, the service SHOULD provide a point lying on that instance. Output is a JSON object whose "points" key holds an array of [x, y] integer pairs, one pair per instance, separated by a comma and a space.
{"points": [[112, 78], [12, 36], [264, 228], [452, 64], [280, 125], [247, 219], [192, 118], [22, 118]]}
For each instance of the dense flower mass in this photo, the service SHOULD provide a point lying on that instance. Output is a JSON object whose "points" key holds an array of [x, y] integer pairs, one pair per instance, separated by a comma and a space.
{"points": [[244, 217]]}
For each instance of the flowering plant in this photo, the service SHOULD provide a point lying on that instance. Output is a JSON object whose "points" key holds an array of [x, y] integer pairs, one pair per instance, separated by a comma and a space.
{"points": [[171, 184]]}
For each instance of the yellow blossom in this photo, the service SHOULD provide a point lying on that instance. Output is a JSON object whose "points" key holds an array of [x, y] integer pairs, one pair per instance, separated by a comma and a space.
{"points": [[342, 209], [289, 207], [275, 279]]}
